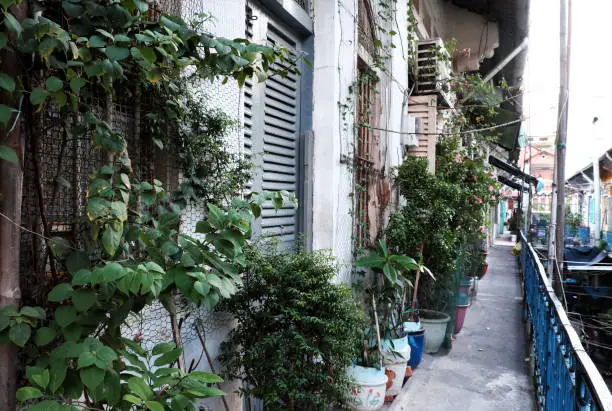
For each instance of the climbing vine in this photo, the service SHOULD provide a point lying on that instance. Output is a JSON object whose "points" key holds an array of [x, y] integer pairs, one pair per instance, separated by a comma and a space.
{"points": [[74, 59]]}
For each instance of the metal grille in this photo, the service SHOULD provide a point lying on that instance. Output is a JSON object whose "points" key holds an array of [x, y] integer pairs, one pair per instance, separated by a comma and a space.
{"points": [[305, 4], [366, 27], [366, 151]]}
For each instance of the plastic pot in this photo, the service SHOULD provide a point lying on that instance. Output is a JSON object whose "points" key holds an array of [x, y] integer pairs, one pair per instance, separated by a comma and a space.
{"points": [[485, 267], [434, 323], [371, 385], [416, 340], [396, 354], [462, 299], [460, 317]]}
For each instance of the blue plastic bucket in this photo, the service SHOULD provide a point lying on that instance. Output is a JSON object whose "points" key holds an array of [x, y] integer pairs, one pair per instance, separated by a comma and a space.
{"points": [[462, 299], [416, 340]]}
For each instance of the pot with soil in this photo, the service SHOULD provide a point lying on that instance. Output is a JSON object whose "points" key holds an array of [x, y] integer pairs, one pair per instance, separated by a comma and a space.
{"points": [[396, 353], [434, 323], [369, 395]]}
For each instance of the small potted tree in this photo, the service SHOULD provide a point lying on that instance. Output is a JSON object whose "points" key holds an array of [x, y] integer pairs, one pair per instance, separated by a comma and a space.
{"points": [[387, 293]]}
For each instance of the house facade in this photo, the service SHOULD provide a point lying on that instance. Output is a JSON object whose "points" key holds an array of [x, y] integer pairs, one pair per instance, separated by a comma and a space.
{"points": [[333, 134]]}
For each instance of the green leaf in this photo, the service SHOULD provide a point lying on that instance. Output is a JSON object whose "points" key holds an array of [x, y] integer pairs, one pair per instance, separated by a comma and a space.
{"points": [[44, 336], [202, 288], [86, 359], [132, 399], [168, 358], [28, 393], [76, 84], [140, 388], [405, 262], [48, 405], [57, 374], [38, 96], [204, 392], [154, 406], [106, 34], [82, 277], [163, 348], [390, 272], [371, 261], [59, 246], [12, 24], [96, 41], [38, 376], [65, 315], [117, 53], [4, 322], [7, 82], [60, 98], [153, 75], [46, 47], [33, 312], [69, 349], [5, 113], [206, 377], [54, 83], [83, 299], [76, 261], [72, 9], [92, 377], [106, 354], [60, 292], [20, 333], [111, 238], [85, 54], [3, 40], [148, 54], [110, 389], [110, 272], [8, 154], [170, 24]]}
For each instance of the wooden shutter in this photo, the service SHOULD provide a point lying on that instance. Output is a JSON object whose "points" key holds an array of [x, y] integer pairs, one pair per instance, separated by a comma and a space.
{"points": [[272, 130], [424, 107]]}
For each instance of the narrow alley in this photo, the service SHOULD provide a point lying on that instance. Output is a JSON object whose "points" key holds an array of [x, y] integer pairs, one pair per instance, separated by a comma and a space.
{"points": [[487, 369]]}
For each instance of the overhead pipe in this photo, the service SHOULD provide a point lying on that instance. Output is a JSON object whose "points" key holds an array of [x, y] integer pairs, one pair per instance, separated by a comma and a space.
{"points": [[507, 60]]}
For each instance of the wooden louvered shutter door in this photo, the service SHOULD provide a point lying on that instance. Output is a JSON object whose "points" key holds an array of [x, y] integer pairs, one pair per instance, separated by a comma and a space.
{"points": [[272, 130]]}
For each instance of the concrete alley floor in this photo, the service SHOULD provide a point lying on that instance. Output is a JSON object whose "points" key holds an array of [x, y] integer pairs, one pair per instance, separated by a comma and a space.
{"points": [[487, 367]]}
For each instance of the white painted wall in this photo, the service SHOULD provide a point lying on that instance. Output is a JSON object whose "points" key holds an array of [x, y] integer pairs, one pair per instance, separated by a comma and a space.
{"points": [[335, 57]]}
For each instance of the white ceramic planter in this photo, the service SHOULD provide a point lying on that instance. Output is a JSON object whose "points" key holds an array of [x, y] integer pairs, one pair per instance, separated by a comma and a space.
{"points": [[434, 323], [395, 363], [370, 393]]}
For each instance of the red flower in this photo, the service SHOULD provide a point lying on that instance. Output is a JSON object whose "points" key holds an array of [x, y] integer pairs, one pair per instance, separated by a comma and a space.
{"points": [[370, 391]]}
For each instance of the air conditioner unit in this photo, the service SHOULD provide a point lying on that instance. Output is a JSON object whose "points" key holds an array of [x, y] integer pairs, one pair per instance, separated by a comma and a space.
{"points": [[434, 70], [411, 126]]}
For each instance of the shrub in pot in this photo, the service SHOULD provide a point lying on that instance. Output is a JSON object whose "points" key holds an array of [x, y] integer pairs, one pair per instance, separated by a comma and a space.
{"points": [[296, 332], [388, 291], [369, 374]]}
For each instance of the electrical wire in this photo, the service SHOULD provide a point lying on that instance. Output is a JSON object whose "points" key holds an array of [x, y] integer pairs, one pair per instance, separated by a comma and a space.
{"points": [[477, 130]]}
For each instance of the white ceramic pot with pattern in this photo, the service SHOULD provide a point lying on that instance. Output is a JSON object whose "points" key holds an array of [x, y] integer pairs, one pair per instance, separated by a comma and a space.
{"points": [[369, 395]]}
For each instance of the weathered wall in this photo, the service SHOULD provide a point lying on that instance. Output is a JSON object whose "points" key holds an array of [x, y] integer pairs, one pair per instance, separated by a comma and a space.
{"points": [[335, 57]]}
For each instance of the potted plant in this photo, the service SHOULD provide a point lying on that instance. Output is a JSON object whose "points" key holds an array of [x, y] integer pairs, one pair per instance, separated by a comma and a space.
{"points": [[296, 331], [369, 373], [388, 292]]}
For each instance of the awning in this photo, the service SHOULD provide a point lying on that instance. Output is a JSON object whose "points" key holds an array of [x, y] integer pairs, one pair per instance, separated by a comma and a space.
{"points": [[514, 170], [511, 184]]}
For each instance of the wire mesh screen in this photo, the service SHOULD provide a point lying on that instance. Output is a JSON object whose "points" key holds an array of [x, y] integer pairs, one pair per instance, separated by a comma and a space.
{"points": [[57, 169]]}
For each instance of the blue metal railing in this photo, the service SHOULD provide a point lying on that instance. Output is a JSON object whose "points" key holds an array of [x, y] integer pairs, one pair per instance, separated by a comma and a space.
{"points": [[565, 376]]}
